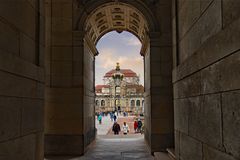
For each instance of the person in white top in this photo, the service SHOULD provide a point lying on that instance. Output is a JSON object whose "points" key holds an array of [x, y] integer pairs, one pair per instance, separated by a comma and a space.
{"points": [[125, 128]]}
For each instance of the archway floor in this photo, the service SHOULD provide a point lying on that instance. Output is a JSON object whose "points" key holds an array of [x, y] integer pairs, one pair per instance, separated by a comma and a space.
{"points": [[115, 148]]}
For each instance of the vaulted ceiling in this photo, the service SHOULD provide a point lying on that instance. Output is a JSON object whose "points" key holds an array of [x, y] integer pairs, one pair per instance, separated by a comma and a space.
{"points": [[119, 17]]}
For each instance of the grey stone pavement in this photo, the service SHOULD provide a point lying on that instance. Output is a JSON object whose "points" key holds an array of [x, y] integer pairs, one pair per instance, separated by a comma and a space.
{"points": [[112, 147], [121, 147]]}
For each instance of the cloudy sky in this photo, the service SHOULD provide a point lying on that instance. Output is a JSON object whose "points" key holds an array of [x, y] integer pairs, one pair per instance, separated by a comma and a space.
{"points": [[123, 48]]}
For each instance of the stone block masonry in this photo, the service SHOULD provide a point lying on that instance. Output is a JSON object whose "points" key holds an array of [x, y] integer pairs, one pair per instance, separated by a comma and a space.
{"points": [[21, 79], [206, 81]]}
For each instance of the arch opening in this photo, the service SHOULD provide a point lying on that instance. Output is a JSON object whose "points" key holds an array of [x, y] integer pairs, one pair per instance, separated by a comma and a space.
{"points": [[118, 16], [123, 48]]}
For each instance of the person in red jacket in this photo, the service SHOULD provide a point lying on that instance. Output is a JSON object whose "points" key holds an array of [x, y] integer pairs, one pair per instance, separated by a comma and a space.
{"points": [[135, 126]]}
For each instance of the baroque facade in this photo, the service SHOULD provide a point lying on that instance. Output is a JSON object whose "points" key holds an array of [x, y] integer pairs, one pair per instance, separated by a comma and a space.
{"points": [[127, 96]]}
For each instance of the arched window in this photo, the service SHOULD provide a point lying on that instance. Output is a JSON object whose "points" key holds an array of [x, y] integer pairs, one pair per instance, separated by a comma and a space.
{"points": [[102, 103], [132, 103], [138, 103], [118, 90], [97, 103]]}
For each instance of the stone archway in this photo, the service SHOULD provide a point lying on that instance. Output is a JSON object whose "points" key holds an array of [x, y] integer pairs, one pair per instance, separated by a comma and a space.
{"points": [[91, 20]]}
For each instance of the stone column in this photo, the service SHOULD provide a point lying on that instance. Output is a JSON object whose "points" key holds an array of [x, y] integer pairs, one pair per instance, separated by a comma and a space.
{"points": [[89, 130], [64, 107], [159, 94]]}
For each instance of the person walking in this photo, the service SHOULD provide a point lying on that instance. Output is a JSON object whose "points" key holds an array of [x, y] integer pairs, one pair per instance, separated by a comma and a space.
{"points": [[111, 116], [125, 128], [116, 128], [139, 125], [100, 119], [115, 117], [135, 126]]}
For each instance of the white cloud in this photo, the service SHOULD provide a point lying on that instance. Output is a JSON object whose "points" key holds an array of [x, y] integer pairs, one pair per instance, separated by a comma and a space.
{"points": [[107, 61], [132, 41], [130, 63], [127, 55], [106, 58]]}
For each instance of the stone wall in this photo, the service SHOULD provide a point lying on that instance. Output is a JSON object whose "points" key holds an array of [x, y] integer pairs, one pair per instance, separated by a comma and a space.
{"points": [[147, 98], [21, 79], [206, 79], [159, 126], [64, 81]]}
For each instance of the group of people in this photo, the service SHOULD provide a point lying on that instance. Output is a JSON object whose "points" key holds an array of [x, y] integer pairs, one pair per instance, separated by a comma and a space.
{"points": [[138, 126], [113, 116], [100, 116], [116, 128]]}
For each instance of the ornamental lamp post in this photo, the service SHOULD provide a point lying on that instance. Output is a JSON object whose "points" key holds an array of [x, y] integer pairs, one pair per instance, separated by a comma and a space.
{"points": [[117, 77]]}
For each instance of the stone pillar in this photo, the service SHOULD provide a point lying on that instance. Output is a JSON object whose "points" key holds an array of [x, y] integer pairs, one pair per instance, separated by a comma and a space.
{"points": [[64, 125], [159, 94], [88, 65], [69, 78]]}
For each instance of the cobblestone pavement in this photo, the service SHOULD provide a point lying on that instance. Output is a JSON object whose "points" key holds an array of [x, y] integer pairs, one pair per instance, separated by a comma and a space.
{"points": [[131, 147]]}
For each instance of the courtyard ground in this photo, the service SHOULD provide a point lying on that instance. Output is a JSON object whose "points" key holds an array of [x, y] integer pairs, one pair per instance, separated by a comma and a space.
{"points": [[106, 127]]}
